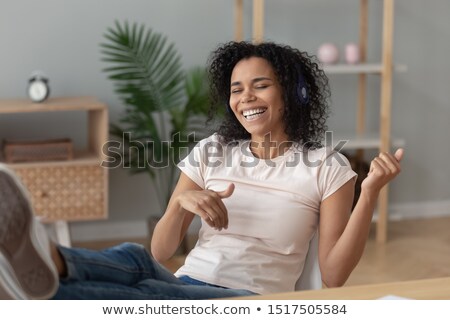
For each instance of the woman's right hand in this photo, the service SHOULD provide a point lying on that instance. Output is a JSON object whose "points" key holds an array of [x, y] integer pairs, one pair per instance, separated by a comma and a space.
{"points": [[208, 205]]}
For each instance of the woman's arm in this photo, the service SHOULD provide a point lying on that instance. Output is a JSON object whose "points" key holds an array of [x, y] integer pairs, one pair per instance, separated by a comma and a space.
{"points": [[342, 237], [171, 228], [187, 200]]}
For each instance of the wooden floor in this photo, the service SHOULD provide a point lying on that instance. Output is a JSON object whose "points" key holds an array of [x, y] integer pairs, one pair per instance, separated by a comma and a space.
{"points": [[416, 249]]}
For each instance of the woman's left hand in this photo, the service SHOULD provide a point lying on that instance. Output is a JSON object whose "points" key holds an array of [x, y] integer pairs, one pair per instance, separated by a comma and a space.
{"points": [[383, 169]]}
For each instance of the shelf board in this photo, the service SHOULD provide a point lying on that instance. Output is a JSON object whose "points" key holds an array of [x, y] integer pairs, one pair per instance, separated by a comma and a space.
{"points": [[375, 68], [52, 104], [80, 158], [367, 141]]}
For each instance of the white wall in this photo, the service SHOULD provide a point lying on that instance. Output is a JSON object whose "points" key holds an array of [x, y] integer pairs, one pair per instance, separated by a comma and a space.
{"points": [[62, 38]]}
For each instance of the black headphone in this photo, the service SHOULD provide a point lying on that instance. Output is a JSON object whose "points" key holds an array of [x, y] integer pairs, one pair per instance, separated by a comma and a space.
{"points": [[302, 89]]}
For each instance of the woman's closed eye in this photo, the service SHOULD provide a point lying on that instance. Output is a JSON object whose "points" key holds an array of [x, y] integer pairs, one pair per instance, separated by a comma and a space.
{"points": [[258, 87]]}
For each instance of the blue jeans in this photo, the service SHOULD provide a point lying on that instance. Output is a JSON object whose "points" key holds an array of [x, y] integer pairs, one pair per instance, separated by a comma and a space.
{"points": [[127, 271]]}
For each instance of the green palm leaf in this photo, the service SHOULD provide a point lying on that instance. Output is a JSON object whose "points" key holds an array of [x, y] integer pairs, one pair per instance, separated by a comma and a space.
{"points": [[146, 71], [150, 82]]}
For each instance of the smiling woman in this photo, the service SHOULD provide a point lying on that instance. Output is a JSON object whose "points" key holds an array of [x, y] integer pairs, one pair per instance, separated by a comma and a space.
{"points": [[302, 89], [260, 203]]}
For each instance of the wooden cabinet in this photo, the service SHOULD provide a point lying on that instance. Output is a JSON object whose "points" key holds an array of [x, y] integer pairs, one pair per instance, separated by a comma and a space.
{"points": [[360, 140], [69, 190]]}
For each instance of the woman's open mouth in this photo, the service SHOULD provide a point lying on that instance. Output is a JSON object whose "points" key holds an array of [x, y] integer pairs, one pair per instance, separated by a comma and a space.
{"points": [[253, 114]]}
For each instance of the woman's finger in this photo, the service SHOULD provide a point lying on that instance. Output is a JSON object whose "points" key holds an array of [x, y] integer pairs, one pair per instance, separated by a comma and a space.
{"points": [[212, 207], [399, 154], [390, 162], [381, 166], [223, 210], [205, 217]]}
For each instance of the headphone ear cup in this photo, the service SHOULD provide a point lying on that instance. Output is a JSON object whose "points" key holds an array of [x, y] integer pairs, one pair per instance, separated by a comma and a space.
{"points": [[302, 90]]}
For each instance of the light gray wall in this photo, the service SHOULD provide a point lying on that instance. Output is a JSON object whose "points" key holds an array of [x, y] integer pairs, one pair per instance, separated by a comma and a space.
{"points": [[62, 38]]}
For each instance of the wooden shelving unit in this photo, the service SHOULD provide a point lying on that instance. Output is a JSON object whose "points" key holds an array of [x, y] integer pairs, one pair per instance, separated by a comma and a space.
{"points": [[360, 140], [69, 190], [360, 68]]}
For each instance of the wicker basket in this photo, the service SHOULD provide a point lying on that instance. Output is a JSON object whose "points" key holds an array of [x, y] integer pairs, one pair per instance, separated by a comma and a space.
{"points": [[66, 192], [34, 151]]}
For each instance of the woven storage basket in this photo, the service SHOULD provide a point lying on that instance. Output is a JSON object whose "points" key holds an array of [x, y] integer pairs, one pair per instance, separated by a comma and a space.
{"points": [[66, 192], [31, 151]]}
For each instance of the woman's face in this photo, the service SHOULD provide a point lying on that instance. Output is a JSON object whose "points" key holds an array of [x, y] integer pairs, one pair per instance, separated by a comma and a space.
{"points": [[256, 99]]}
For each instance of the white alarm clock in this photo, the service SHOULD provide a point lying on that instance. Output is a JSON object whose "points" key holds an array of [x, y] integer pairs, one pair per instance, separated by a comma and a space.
{"points": [[38, 88]]}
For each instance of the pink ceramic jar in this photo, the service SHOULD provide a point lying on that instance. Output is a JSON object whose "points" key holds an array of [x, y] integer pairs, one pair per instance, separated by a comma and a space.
{"points": [[352, 53], [328, 53]]}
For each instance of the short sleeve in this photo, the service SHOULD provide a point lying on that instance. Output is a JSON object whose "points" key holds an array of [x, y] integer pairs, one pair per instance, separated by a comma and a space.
{"points": [[334, 173]]}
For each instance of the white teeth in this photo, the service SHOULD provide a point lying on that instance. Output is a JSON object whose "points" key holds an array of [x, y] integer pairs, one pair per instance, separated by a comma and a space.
{"points": [[252, 112]]}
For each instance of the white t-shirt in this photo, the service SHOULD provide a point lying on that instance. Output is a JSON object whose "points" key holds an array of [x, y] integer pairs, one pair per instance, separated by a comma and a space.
{"points": [[273, 213]]}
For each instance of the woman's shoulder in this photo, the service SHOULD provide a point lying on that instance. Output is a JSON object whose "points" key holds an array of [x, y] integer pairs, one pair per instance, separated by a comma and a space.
{"points": [[217, 140], [212, 143], [325, 154], [204, 141], [215, 137]]}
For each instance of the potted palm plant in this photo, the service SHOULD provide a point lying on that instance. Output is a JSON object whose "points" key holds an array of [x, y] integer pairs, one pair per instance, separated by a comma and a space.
{"points": [[165, 106]]}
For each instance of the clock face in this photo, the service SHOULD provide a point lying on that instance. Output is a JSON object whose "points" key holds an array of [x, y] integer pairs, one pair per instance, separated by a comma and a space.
{"points": [[38, 91]]}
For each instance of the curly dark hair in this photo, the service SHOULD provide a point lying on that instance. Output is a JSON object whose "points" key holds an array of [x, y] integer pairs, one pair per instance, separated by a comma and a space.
{"points": [[305, 120]]}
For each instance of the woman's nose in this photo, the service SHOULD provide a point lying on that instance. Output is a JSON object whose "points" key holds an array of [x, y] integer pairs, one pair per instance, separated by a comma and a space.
{"points": [[248, 97]]}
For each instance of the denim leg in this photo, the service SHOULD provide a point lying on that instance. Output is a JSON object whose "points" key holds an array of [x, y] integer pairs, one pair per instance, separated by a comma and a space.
{"points": [[125, 264], [127, 271], [149, 289]]}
